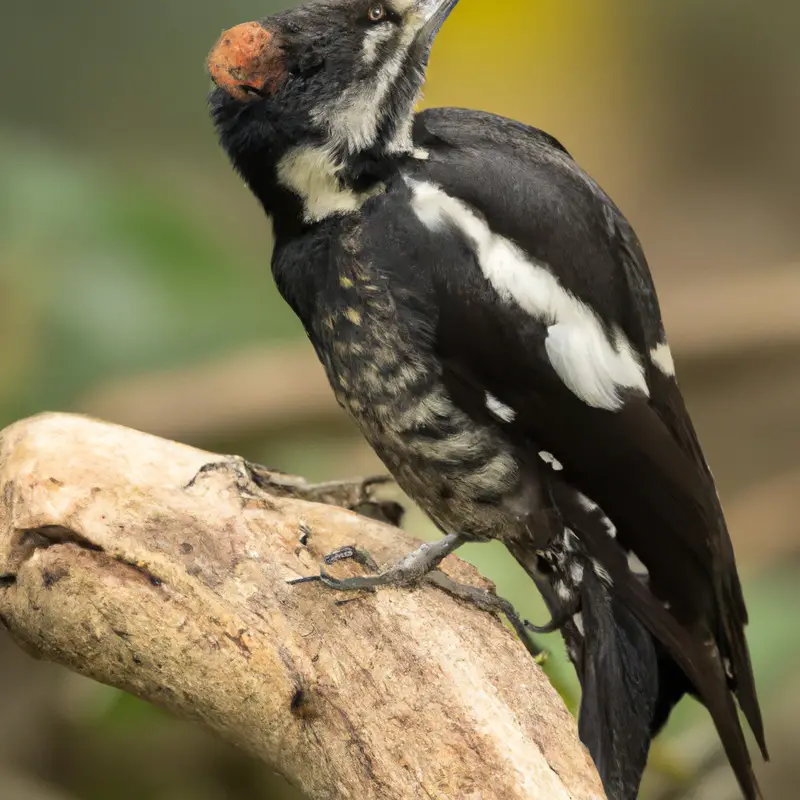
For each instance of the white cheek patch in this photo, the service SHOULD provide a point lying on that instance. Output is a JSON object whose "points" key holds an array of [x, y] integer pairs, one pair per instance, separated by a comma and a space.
{"points": [[596, 368], [354, 117], [500, 410], [373, 39], [661, 356]]}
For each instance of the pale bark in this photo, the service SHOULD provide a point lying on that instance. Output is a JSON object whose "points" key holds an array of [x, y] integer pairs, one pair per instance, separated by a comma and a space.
{"points": [[162, 569]]}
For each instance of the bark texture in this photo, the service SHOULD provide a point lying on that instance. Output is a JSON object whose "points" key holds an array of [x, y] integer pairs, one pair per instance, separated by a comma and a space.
{"points": [[162, 569]]}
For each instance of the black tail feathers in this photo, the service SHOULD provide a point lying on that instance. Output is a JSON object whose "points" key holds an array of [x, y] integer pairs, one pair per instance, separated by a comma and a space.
{"points": [[626, 694], [629, 687], [617, 665], [635, 662]]}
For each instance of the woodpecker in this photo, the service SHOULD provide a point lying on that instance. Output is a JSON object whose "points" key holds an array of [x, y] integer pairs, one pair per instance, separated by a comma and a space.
{"points": [[486, 315]]}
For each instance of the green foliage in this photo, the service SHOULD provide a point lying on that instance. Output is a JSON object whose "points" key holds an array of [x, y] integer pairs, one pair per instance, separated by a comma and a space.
{"points": [[101, 278]]}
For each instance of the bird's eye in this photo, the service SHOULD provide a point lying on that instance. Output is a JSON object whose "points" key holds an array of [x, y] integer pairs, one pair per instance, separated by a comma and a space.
{"points": [[377, 12]]}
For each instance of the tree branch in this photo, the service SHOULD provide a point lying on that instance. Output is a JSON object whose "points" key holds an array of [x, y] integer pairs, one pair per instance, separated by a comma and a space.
{"points": [[162, 570]]}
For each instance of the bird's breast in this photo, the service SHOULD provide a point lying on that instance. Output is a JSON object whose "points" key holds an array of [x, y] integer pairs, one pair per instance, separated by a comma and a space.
{"points": [[461, 471]]}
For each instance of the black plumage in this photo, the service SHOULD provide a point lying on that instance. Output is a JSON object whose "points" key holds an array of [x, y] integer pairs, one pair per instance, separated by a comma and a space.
{"points": [[486, 315]]}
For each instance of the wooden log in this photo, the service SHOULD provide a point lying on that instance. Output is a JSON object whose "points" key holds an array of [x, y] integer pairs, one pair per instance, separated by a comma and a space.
{"points": [[162, 569]]}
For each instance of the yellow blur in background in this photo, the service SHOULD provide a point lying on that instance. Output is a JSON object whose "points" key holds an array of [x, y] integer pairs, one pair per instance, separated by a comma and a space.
{"points": [[135, 286]]}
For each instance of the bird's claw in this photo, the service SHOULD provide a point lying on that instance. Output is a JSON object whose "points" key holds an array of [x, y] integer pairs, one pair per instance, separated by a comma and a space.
{"points": [[306, 579], [350, 552], [558, 621], [365, 583]]}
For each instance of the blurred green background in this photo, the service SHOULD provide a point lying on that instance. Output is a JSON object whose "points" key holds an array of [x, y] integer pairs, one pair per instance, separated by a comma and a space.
{"points": [[134, 285]]}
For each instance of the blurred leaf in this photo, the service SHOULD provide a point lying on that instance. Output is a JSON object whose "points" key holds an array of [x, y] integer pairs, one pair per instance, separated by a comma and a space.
{"points": [[116, 279], [129, 713]]}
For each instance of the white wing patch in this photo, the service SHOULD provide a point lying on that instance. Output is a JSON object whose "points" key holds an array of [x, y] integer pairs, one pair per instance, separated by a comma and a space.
{"points": [[563, 591], [550, 459], [499, 409], [594, 367], [661, 356], [602, 573], [611, 528], [635, 564], [593, 508]]}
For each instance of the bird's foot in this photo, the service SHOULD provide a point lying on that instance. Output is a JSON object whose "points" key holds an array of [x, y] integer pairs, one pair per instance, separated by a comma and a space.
{"points": [[489, 601], [558, 621], [410, 570], [352, 553], [421, 565]]}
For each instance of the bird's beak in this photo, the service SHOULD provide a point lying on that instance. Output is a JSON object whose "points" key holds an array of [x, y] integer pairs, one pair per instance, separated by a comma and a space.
{"points": [[433, 14]]}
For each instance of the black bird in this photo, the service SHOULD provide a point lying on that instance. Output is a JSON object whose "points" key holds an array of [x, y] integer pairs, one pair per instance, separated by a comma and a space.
{"points": [[486, 315]]}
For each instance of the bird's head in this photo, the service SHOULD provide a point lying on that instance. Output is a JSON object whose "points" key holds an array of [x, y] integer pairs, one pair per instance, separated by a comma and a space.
{"points": [[336, 77]]}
